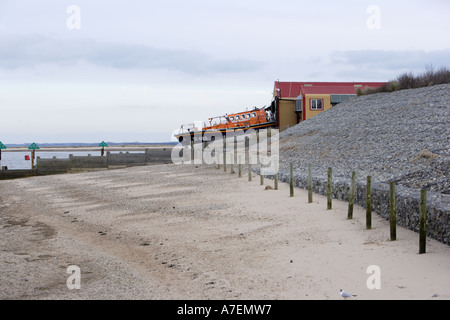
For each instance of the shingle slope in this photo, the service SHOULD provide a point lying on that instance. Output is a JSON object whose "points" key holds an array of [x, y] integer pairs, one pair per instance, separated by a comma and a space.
{"points": [[402, 136]]}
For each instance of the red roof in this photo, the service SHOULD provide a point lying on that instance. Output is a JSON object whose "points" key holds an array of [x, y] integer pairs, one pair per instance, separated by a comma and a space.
{"points": [[330, 90], [292, 89]]}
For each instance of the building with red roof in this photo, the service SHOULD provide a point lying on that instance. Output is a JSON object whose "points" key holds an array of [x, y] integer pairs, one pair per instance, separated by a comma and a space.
{"points": [[299, 101]]}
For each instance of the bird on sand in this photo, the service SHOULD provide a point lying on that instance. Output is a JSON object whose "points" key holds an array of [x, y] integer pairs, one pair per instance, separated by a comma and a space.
{"points": [[346, 295]]}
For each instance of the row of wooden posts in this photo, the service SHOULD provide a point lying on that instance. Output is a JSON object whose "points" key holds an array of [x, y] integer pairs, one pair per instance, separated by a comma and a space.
{"points": [[392, 205]]}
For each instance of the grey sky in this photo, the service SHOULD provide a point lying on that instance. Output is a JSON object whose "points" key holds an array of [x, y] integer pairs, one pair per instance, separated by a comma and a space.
{"points": [[136, 70]]}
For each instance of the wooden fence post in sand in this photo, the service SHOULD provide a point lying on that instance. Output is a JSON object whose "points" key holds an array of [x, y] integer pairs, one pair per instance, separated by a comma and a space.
{"points": [[329, 193], [310, 194], [261, 175], [276, 181], [423, 222], [218, 160], [249, 172], [224, 155], [224, 162], [240, 167], [233, 152], [369, 203], [291, 181], [392, 211], [351, 198], [275, 177]]}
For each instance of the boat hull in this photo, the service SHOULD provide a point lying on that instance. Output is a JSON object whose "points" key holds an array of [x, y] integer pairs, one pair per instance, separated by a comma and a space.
{"points": [[212, 135]]}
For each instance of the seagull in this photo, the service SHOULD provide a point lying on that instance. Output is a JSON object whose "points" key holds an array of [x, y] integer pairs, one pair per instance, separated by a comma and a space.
{"points": [[346, 295]]}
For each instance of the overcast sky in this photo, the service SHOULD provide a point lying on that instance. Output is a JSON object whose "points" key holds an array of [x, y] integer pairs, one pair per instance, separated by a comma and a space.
{"points": [[93, 70]]}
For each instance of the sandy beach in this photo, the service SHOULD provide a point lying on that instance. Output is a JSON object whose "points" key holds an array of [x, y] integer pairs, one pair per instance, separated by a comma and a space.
{"points": [[197, 232]]}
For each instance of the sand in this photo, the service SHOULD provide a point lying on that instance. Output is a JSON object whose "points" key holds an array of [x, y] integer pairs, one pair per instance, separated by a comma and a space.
{"points": [[196, 232]]}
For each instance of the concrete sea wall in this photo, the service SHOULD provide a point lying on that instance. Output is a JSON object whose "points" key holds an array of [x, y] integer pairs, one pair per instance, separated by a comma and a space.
{"points": [[82, 163]]}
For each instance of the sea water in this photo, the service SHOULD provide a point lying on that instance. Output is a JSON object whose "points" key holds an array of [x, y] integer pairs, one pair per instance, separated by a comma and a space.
{"points": [[15, 160]]}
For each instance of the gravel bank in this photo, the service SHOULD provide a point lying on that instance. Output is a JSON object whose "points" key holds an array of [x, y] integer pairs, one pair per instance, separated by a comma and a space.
{"points": [[401, 136]]}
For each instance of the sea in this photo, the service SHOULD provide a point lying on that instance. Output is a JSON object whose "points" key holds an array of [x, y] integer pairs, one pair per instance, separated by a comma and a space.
{"points": [[15, 160]]}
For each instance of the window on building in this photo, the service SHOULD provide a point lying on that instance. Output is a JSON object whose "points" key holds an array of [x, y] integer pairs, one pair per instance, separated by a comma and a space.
{"points": [[231, 118], [298, 105], [237, 118], [254, 114], [316, 104], [248, 115]]}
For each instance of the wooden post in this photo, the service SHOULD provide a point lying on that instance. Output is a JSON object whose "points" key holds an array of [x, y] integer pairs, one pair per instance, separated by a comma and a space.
{"points": [[192, 148], [233, 152], [33, 147], [275, 177], [351, 199], [247, 149], [249, 172], [224, 155], [310, 194], [276, 181], [217, 159], [291, 181], [32, 158], [330, 196], [392, 211], [423, 222], [261, 175], [369, 203], [240, 167]]}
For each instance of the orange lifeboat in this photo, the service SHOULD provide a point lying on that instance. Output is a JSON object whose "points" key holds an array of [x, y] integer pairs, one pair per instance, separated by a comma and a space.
{"points": [[226, 125]]}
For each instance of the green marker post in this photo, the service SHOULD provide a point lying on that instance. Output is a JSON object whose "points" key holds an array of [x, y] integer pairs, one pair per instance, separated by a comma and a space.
{"points": [[103, 145], [33, 147]]}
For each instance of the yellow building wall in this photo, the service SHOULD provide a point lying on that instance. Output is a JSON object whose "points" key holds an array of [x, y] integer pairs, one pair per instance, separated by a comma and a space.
{"points": [[288, 117], [307, 108]]}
